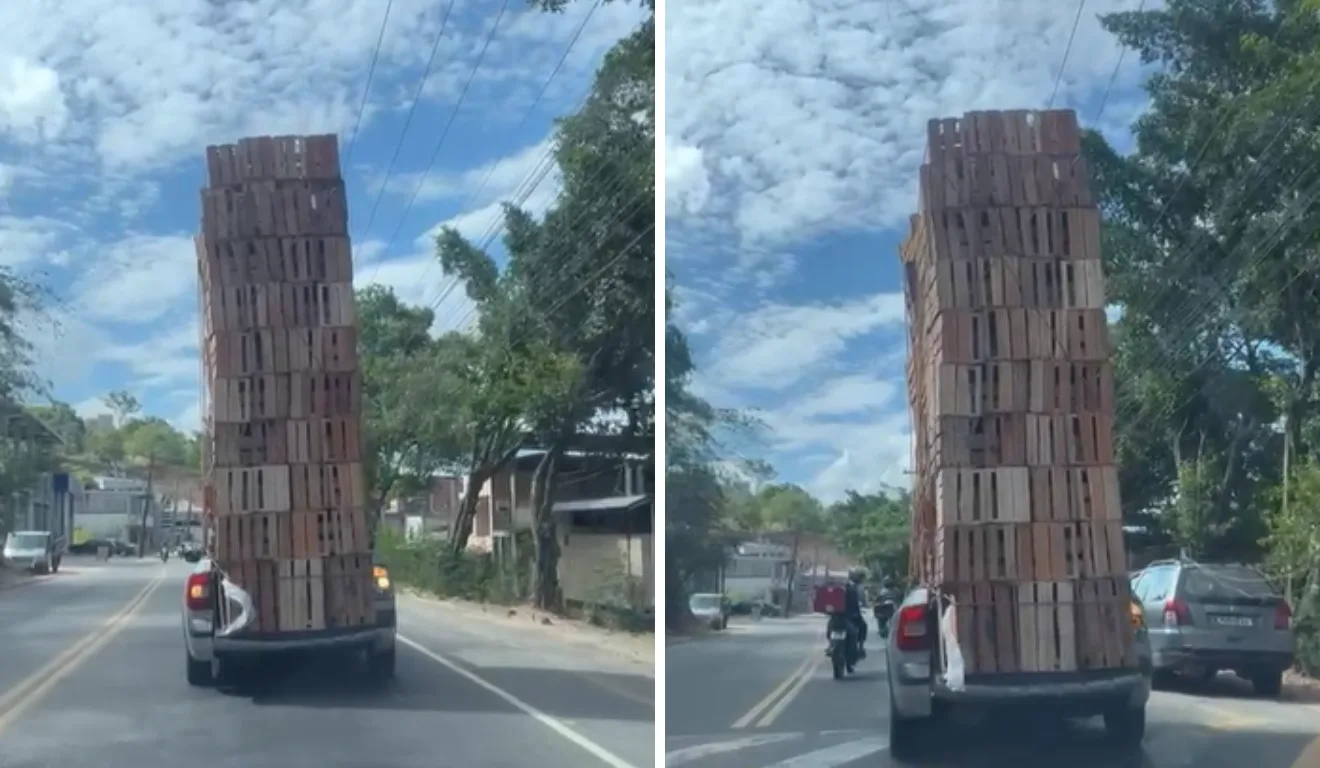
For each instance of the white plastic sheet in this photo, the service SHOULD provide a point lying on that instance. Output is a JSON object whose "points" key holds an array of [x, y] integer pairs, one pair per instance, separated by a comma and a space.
{"points": [[955, 669]]}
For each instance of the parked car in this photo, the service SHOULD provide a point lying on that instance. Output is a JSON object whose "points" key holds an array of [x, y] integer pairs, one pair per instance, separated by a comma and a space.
{"points": [[920, 701], [711, 609], [1208, 617], [36, 551]]}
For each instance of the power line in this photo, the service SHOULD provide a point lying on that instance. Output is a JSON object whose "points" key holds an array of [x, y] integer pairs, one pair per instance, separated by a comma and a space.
{"points": [[412, 110], [448, 125], [366, 90], [1067, 50]]}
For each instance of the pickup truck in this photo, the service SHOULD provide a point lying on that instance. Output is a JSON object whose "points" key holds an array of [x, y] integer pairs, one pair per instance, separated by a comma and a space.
{"points": [[920, 700], [213, 652]]}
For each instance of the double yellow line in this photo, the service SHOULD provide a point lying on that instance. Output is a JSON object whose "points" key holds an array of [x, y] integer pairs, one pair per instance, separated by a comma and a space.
{"points": [[767, 710], [31, 690]]}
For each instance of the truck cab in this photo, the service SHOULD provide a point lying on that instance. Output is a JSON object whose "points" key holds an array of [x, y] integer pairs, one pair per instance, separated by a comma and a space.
{"points": [[213, 652]]}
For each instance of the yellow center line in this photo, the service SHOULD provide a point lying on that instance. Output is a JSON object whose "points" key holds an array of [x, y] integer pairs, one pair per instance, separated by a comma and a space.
{"points": [[32, 689], [812, 658], [787, 698]]}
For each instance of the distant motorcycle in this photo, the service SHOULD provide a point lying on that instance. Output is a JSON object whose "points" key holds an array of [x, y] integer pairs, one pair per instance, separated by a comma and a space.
{"points": [[164, 555], [884, 613]]}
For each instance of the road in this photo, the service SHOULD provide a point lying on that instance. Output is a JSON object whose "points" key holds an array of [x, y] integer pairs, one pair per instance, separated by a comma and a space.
{"points": [[760, 696], [92, 674]]}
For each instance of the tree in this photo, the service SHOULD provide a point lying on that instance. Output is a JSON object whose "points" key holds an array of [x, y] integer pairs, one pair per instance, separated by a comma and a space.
{"points": [[66, 423], [409, 434], [876, 529], [123, 405], [575, 300]]}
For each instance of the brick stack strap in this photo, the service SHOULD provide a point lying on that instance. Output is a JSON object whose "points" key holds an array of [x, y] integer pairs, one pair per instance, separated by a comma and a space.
{"points": [[283, 475], [1011, 389]]}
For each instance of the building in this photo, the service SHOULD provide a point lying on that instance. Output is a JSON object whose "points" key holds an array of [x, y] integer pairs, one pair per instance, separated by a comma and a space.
{"points": [[113, 508], [44, 503], [605, 518]]}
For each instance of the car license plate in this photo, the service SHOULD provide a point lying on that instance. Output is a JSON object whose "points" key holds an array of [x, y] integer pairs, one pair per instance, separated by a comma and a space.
{"points": [[838, 635], [1233, 621]]}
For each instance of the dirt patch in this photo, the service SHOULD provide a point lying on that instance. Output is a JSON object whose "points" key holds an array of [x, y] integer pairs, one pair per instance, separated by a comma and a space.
{"points": [[634, 647], [1300, 687]]}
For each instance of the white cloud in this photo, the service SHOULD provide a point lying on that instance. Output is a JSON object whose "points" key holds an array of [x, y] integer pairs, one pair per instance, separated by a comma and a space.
{"points": [[91, 408], [139, 279], [32, 104], [777, 345], [687, 185], [811, 116]]}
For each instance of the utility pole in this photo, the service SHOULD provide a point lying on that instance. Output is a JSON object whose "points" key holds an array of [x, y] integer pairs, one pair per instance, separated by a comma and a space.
{"points": [[146, 504]]}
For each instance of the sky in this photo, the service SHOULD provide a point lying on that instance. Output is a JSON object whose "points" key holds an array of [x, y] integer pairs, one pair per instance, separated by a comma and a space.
{"points": [[106, 109], [794, 131]]}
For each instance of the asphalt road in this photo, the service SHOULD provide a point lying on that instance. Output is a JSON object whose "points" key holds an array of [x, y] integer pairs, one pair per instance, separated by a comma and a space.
{"points": [[85, 683], [761, 696]]}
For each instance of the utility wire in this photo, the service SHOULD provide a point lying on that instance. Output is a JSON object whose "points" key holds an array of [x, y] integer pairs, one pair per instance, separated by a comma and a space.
{"points": [[1066, 50], [366, 90]]}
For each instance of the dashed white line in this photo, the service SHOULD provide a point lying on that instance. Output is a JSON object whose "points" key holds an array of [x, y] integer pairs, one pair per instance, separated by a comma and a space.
{"points": [[837, 755], [703, 751]]}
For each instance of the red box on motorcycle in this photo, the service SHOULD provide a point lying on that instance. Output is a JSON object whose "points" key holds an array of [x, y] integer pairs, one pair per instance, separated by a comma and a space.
{"points": [[829, 598]]}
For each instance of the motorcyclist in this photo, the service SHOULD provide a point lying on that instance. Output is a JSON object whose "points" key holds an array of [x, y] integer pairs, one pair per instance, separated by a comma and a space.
{"points": [[886, 603], [852, 607]]}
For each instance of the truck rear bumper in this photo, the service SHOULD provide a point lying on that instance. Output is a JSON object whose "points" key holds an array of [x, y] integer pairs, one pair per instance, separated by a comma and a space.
{"points": [[203, 646], [1062, 694]]}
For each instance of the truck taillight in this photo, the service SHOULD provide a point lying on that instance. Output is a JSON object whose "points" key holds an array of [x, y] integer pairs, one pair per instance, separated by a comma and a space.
{"points": [[1282, 615], [381, 576], [912, 632], [198, 591]]}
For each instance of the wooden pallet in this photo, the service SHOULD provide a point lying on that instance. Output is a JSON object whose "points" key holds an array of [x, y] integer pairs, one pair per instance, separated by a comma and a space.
{"points": [[238, 263]]}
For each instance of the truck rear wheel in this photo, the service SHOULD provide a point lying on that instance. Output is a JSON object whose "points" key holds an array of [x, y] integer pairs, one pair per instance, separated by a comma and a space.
{"points": [[1126, 726], [380, 666], [199, 672]]}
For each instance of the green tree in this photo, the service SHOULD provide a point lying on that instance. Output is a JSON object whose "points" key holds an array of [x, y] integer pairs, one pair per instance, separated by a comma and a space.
{"points": [[65, 422], [876, 529], [575, 300], [123, 405]]}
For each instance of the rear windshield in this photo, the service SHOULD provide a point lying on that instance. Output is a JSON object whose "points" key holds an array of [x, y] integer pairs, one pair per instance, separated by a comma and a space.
{"points": [[1226, 584], [26, 541], [704, 602]]}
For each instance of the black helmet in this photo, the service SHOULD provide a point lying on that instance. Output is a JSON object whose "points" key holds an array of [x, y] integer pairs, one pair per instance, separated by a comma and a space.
{"points": [[855, 575]]}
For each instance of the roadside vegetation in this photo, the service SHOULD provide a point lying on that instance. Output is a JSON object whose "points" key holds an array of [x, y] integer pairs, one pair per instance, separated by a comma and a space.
{"points": [[560, 344]]}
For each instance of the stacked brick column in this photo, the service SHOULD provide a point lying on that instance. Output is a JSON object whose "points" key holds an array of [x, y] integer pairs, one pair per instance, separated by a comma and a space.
{"points": [[1016, 504], [285, 495]]}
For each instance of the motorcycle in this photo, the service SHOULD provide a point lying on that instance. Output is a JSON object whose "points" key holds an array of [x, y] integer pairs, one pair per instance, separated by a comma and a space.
{"points": [[843, 645], [164, 555], [884, 613]]}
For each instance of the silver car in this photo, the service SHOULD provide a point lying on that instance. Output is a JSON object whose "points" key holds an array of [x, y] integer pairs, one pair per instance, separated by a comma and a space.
{"points": [[213, 651], [710, 609], [921, 701], [32, 551], [1206, 617]]}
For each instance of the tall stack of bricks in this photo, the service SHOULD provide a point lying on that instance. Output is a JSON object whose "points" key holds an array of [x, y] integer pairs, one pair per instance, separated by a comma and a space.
{"points": [[1016, 504], [283, 475]]}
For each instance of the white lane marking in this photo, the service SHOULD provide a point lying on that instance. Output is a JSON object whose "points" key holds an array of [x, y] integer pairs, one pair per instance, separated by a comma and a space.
{"points": [[837, 755], [553, 723], [790, 695], [702, 751]]}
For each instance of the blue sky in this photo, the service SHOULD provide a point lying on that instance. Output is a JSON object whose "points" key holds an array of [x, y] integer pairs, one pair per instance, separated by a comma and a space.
{"points": [[793, 136], [106, 109]]}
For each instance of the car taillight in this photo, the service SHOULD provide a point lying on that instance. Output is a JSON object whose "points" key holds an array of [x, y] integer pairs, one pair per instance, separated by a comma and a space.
{"points": [[1176, 613], [912, 633], [198, 591], [1282, 615]]}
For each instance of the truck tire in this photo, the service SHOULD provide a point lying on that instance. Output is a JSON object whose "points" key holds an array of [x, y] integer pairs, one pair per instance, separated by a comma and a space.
{"points": [[904, 735], [199, 672], [380, 666], [1268, 684], [1126, 727]]}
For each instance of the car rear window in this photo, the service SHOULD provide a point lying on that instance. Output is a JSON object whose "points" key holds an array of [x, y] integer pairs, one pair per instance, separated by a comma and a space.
{"points": [[1227, 584]]}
